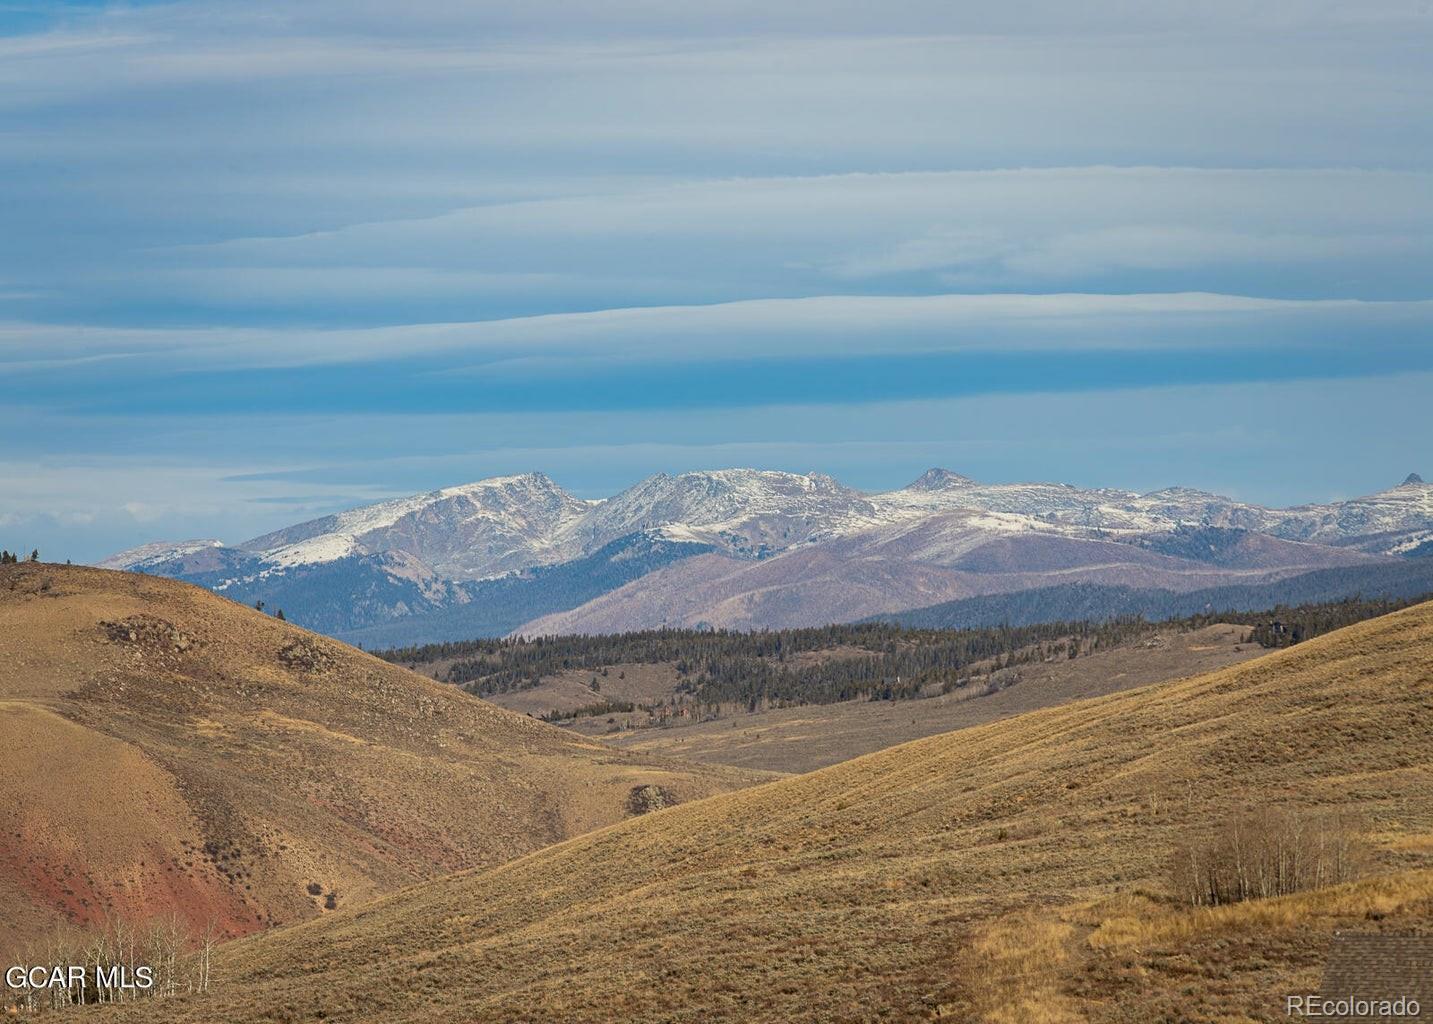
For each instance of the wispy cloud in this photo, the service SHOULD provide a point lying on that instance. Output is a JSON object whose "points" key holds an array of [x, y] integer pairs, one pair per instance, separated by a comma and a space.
{"points": [[756, 329], [1299, 233]]}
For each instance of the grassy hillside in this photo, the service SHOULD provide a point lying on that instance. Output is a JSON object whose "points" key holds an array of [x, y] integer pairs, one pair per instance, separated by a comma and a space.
{"points": [[167, 749], [1011, 872]]}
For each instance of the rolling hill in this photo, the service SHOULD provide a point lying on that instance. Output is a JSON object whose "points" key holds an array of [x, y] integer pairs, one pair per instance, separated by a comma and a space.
{"points": [[168, 749], [1015, 871]]}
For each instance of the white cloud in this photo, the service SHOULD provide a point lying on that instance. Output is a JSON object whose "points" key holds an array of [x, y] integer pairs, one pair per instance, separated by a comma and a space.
{"points": [[831, 325], [1342, 232], [133, 128]]}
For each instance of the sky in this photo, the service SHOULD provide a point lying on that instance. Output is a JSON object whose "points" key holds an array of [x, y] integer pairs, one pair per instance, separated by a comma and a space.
{"points": [[262, 261]]}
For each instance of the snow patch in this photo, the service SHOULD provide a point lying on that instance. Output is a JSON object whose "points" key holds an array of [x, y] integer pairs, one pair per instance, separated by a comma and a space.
{"points": [[157, 553]]}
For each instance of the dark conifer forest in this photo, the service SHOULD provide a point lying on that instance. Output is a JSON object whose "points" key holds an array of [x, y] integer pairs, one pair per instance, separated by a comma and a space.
{"points": [[875, 661]]}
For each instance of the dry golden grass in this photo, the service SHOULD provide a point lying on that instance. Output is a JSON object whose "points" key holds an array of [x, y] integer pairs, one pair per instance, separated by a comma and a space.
{"points": [[1129, 959], [960, 876], [1014, 971], [1146, 925], [198, 756], [1147, 960]]}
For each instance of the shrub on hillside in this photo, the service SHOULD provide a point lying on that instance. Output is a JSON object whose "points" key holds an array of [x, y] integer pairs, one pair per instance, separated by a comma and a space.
{"points": [[1265, 852], [645, 799]]}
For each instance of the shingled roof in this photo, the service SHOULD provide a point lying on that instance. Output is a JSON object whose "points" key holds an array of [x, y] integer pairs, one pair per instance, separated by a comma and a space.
{"points": [[1375, 966]]}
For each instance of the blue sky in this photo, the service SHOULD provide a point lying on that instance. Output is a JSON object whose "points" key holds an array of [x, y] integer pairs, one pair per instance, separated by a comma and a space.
{"points": [[260, 261]]}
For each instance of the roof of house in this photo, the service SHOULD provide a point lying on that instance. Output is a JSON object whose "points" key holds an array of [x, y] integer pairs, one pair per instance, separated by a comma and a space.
{"points": [[1377, 966]]}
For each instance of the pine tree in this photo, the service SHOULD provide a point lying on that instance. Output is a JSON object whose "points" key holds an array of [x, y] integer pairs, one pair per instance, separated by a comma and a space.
{"points": [[280, 616]]}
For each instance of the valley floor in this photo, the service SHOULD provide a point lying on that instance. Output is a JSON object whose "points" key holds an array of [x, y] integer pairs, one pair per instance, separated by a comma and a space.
{"points": [[802, 739]]}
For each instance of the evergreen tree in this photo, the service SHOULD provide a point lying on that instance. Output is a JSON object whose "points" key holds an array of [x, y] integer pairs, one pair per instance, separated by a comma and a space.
{"points": [[881, 661]]}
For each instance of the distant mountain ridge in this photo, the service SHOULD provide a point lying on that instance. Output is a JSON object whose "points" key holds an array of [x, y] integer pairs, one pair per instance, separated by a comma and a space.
{"points": [[1072, 602], [691, 548]]}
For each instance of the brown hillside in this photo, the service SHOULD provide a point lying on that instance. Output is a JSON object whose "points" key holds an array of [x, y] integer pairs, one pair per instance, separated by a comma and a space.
{"points": [[165, 748], [1010, 872]]}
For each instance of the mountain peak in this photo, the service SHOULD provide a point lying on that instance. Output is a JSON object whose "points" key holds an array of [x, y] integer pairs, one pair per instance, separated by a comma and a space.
{"points": [[535, 479], [157, 552], [937, 479], [1411, 479]]}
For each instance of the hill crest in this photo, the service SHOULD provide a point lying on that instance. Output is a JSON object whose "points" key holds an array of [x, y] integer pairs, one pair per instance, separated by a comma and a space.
{"points": [[170, 749]]}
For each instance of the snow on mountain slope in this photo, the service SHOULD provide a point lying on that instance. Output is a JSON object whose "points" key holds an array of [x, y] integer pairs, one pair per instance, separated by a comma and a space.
{"points": [[841, 551], [1407, 507], [941, 490], [1398, 510], [465, 532], [1067, 505], [939, 557], [507, 523], [155, 553], [745, 511]]}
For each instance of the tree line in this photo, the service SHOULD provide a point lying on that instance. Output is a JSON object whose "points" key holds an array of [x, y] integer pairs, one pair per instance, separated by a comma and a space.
{"points": [[877, 660], [11, 558], [1285, 626]]}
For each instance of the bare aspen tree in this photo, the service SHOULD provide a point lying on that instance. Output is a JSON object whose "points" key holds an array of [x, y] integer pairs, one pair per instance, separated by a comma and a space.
{"points": [[208, 939], [1267, 852], [162, 946], [95, 958], [111, 954], [125, 941]]}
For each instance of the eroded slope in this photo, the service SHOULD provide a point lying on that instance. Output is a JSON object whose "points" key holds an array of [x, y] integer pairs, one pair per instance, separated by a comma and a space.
{"points": [[165, 748]]}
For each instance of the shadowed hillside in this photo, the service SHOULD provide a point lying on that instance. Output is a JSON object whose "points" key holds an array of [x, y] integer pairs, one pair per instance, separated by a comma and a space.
{"points": [[1402, 581], [1016, 871], [167, 749]]}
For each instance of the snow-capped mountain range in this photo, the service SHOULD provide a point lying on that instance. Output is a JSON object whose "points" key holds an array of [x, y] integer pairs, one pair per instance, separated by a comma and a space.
{"points": [[458, 545]]}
